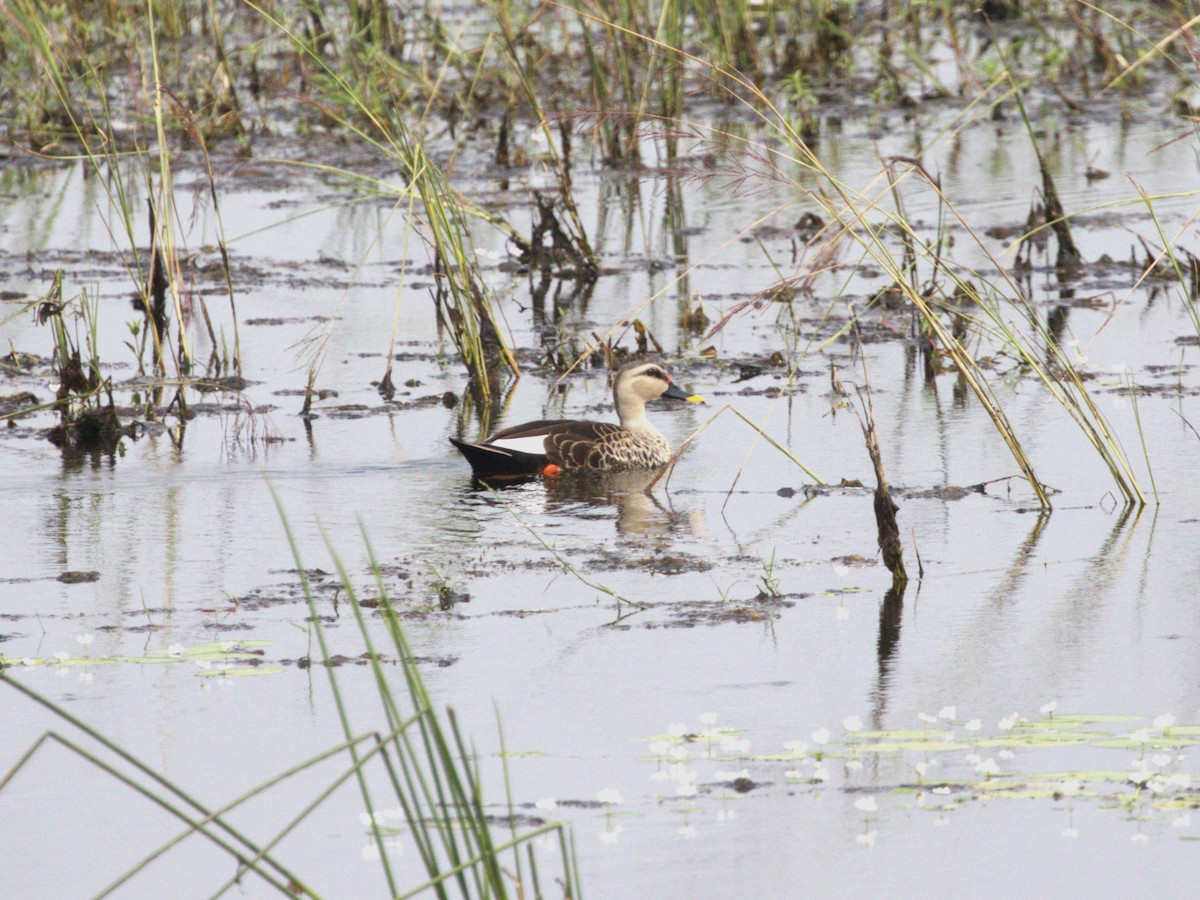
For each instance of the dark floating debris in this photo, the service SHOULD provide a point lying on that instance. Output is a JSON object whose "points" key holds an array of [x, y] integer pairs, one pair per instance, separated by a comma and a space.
{"points": [[74, 577]]}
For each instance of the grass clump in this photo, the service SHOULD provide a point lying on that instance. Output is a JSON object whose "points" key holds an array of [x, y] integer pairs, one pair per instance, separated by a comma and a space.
{"points": [[417, 752]]}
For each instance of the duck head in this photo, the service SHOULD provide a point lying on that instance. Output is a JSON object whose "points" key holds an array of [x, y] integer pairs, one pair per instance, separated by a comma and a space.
{"points": [[639, 383]]}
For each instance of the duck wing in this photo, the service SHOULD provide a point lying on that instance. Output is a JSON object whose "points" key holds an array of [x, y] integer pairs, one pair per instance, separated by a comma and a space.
{"points": [[570, 443], [526, 449], [580, 445]]}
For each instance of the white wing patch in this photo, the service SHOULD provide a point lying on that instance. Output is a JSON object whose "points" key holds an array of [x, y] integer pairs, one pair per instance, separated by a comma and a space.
{"points": [[532, 444]]}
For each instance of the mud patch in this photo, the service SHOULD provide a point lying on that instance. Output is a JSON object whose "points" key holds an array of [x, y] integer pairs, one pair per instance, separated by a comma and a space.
{"points": [[762, 608]]}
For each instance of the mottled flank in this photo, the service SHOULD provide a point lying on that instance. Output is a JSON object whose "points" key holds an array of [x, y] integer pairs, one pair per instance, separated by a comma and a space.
{"points": [[612, 449]]}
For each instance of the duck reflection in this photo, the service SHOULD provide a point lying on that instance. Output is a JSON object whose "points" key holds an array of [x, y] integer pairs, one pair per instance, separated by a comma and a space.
{"points": [[639, 512]]}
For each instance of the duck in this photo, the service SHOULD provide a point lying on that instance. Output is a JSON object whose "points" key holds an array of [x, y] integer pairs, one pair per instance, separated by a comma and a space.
{"points": [[550, 446]]}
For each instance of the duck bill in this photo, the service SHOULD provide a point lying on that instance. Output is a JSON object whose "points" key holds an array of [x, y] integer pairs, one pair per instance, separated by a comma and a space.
{"points": [[673, 392]]}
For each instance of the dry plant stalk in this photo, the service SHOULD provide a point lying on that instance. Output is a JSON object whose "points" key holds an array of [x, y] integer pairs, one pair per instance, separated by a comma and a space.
{"points": [[888, 535]]}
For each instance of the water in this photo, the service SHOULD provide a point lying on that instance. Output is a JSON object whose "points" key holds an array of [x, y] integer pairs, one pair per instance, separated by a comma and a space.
{"points": [[1090, 607]]}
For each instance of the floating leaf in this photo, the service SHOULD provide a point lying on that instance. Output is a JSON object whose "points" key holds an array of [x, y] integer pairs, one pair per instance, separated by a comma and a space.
{"points": [[240, 671], [215, 651]]}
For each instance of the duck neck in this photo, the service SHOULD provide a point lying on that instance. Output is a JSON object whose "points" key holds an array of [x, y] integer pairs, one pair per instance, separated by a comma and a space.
{"points": [[632, 414]]}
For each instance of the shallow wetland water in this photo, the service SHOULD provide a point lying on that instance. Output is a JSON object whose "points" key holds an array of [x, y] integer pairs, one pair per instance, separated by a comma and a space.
{"points": [[707, 680]]}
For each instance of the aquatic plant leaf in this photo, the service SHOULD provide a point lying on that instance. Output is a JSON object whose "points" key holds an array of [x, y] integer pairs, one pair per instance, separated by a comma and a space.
{"points": [[215, 651], [914, 746], [240, 671]]}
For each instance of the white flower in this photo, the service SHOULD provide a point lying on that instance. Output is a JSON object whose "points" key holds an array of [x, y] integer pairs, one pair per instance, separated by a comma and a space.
{"points": [[926, 718], [609, 796], [841, 571], [842, 614], [921, 768], [726, 815], [679, 752], [1165, 721], [1140, 736], [203, 663], [867, 838], [795, 747], [1050, 707], [86, 677], [1070, 833], [1183, 820], [947, 712], [680, 772], [974, 725], [941, 790], [1161, 759], [63, 655], [659, 748], [547, 803], [685, 790], [687, 831], [1069, 787], [676, 729], [1009, 722], [226, 646], [1139, 838], [1006, 754], [974, 759], [610, 835], [28, 662], [708, 718], [866, 804], [734, 745], [820, 773], [792, 773], [175, 650], [660, 775], [1181, 780], [852, 723], [988, 767], [821, 736], [85, 639], [854, 764]]}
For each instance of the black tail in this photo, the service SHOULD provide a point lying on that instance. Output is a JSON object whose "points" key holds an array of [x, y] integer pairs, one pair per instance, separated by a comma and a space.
{"points": [[495, 462]]}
